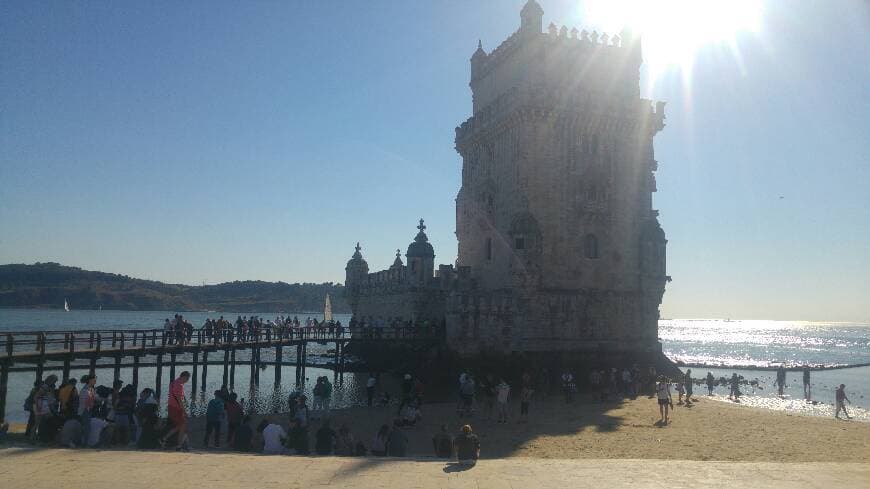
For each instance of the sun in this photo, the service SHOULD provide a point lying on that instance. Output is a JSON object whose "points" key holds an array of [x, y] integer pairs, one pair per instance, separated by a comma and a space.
{"points": [[673, 31]]}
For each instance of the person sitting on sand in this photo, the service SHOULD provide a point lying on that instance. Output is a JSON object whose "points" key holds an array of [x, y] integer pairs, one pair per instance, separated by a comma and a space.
{"points": [[380, 441], [443, 443], [345, 445], [467, 447], [325, 439], [840, 395], [397, 446], [273, 438], [71, 432], [711, 383], [663, 393], [297, 438]]}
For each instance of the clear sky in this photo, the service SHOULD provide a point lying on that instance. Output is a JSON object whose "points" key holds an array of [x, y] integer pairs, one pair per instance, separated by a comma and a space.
{"points": [[212, 141]]}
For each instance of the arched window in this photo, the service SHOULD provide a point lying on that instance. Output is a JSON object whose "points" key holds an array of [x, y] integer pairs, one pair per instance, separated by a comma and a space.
{"points": [[590, 246]]}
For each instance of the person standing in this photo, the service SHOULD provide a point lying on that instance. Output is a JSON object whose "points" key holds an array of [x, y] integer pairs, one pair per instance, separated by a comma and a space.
{"points": [[503, 392], [840, 395], [663, 393], [711, 383], [370, 388], [235, 414], [807, 382], [689, 383], [780, 379], [177, 405], [87, 401], [525, 399], [213, 415], [735, 387], [327, 396]]}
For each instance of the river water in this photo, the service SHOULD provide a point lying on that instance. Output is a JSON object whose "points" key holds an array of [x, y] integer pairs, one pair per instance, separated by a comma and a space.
{"points": [[750, 348]]}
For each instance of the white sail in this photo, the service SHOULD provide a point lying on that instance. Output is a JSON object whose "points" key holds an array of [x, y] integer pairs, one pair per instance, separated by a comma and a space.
{"points": [[65, 305], [327, 310]]}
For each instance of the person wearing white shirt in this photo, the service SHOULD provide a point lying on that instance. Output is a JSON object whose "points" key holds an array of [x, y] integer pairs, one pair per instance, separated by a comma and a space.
{"points": [[273, 439]]}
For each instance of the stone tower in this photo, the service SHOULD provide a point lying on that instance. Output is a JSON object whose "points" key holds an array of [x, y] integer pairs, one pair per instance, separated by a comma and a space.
{"points": [[559, 246]]}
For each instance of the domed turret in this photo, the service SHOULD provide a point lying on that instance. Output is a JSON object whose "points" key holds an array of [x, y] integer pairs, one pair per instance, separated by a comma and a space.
{"points": [[421, 258], [356, 269]]}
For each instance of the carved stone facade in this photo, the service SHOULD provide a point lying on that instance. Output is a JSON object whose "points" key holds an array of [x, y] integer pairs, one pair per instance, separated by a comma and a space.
{"points": [[559, 246]]}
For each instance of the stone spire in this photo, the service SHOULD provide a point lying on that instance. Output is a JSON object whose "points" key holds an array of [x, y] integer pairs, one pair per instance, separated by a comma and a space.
{"points": [[356, 268], [397, 263], [531, 18]]}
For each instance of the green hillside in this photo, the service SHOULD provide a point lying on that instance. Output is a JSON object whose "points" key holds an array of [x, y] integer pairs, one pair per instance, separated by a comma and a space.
{"points": [[46, 285]]}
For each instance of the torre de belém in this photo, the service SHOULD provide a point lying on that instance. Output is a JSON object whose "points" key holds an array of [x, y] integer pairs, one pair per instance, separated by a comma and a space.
{"points": [[560, 250]]}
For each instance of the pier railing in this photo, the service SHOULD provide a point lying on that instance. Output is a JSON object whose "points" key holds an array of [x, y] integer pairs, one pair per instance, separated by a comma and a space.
{"points": [[97, 341]]}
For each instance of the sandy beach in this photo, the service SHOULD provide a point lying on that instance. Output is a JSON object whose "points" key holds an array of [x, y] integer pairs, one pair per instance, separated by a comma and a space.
{"points": [[709, 430]]}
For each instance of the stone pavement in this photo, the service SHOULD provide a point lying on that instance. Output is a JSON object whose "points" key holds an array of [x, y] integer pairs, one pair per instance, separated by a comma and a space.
{"points": [[23, 468]]}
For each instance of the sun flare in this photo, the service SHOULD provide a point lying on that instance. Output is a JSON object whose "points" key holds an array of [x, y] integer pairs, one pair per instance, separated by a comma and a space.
{"points": [[673, 31]]}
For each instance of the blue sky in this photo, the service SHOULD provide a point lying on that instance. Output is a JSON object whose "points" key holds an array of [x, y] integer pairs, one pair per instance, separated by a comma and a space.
{"points": [[214, 141]]}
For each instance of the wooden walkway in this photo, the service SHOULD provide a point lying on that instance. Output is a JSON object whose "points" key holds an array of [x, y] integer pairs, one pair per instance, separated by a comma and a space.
{"points": [[32, 351]]}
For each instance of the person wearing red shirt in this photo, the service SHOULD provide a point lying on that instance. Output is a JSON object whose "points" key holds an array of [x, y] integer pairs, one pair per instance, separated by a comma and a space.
{"points": [[178, 412]]}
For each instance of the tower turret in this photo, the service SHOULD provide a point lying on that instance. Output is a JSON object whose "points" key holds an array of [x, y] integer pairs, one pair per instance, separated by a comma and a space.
{"points": [[477, 60], [356, 270], [421, 258], [531, 18]]}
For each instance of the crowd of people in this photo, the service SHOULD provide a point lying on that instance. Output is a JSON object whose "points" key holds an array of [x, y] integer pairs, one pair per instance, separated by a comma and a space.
{"points": [[180, 331], [79, 413]]}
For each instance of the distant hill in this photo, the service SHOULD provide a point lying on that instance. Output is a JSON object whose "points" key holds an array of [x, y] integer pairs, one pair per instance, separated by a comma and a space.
{"points": [[46, 285]]}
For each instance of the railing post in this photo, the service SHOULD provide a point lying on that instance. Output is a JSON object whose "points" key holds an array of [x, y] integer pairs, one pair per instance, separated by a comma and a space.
{"points": [[9, 345], [99, 342], [72, 342], [91, 343], [42, 344], [65, 342], [114, 339], [153, 337], [122, 341]]}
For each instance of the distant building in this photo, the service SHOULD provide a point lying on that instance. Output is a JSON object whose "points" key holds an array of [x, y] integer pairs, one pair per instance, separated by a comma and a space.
{"points": [[560, 249]]}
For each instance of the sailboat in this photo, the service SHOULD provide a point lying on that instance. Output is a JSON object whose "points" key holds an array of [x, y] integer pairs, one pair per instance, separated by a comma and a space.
{"points": [[65, 305], [327, 310]]}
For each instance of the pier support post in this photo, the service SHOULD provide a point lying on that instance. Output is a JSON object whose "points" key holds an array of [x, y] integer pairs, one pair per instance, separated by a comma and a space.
{"points": [[93, 364], [66, 368], [117, 373], [4, 381], [159, 380], [193, 377], [226, 366], [278, 364], [204, 368], [298, 364], [136, 373], [232, 370], [254, 367], [171, 367], [335, 362]]}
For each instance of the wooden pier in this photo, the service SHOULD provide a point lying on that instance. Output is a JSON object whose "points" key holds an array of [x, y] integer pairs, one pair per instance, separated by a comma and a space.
{"points": [[31, 351]]}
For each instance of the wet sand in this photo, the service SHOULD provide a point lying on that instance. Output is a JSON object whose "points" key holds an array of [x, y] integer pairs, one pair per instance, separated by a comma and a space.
{"points": [[709, 430]]}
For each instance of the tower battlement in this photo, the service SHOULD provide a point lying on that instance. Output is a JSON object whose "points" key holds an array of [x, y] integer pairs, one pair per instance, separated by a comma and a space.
{"points": [[561, 58]]}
